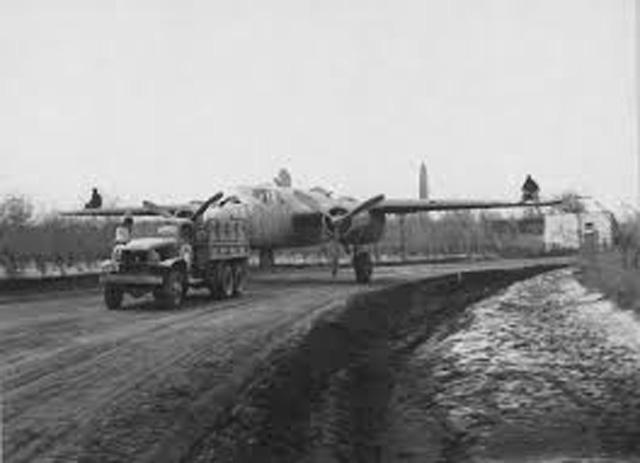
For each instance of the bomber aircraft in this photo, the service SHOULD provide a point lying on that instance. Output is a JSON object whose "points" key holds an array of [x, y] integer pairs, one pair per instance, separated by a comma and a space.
{"points": [[284, 217]]}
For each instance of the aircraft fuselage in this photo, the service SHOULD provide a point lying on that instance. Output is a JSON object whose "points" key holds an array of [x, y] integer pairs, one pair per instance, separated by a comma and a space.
{"points": [[287, 218]]}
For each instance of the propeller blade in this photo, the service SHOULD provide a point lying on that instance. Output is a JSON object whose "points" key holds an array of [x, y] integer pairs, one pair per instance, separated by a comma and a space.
{"points": [[362, 207], [365, 206], [204, 206]]}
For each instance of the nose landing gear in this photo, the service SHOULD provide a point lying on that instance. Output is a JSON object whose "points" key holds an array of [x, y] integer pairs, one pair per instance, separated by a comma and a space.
{"points": [[267, 259], [362, 266]]}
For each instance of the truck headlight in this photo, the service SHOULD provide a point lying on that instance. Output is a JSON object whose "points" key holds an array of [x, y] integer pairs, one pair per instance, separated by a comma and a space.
{"points": [[108, 266], [186, 253], [154, 257]]}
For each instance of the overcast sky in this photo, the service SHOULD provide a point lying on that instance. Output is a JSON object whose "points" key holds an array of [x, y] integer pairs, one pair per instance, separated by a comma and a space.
{"points": [[173, 99]]}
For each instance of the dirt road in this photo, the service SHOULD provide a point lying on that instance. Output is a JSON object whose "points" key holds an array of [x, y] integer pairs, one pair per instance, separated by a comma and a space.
{"points": [[81, 383]]}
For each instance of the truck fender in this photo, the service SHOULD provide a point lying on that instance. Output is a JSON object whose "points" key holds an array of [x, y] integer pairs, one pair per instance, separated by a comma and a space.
{"points": [[186, 254], [175, 262]]}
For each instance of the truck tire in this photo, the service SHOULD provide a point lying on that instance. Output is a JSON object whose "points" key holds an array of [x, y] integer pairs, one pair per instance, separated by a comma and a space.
{"points": [[173, 290], [239, 278], [113, 296], [227, 283], [211, 279]]}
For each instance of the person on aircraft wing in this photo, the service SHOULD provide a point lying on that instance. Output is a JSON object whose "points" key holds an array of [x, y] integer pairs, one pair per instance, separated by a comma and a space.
{"points": [[530, 190], [96, 200]]}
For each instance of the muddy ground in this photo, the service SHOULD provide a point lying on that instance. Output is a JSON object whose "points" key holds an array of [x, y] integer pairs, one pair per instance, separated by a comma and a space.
{"points": [[454, 368], [328, 398], [478, 368]]}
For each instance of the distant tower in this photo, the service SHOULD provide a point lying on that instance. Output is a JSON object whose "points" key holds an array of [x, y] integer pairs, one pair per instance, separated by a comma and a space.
{"points": [[424, 186]]}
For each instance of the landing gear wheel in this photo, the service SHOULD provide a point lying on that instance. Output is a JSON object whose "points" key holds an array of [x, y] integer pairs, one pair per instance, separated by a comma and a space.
{"points": [[113, 297], [173, 290], [363, 267], [267, 259], [239, 278], [227, 281]]}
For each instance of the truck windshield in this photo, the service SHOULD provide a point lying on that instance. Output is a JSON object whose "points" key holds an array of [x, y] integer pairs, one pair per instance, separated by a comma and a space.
{"points": [[153, 228]]}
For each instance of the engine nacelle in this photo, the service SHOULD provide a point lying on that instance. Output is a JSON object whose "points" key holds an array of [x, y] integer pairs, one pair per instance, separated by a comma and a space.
{"points": [[364, 228]]}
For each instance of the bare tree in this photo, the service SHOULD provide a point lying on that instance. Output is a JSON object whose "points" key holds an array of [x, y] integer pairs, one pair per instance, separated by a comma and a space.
{"points": [[16, 210], [627, 239]]}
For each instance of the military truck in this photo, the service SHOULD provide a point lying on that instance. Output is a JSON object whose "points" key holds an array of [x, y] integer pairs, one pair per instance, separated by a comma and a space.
{"points": [[168, 255]]}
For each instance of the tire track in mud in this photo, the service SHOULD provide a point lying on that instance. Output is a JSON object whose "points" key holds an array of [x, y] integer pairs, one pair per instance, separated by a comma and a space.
{"points": [[98, 347], [94, 386], [211, 400], [282, 336], [140, 385], [104, 372]]}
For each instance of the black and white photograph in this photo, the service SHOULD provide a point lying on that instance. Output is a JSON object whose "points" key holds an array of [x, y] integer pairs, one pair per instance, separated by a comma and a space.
{"points": [[297, 231]]}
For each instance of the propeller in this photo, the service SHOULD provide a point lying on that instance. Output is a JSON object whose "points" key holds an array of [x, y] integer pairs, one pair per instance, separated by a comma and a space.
{"points": [[340, 224], [204, 206], [164, 211], [338, 227]]}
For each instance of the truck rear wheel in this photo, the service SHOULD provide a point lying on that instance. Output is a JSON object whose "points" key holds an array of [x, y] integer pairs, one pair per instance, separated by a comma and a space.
{"points": [[113, 296], [173, 290], [211, 279], [239, 278], [227, 283]]}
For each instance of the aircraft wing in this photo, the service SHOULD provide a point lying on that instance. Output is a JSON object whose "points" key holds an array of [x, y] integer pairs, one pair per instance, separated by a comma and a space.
{"points": [[111, 212], [408, 206]]}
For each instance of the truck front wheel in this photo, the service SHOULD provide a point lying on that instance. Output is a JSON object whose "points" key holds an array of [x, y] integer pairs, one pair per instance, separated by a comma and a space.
{"points": [[173, 290], [113, 296]]}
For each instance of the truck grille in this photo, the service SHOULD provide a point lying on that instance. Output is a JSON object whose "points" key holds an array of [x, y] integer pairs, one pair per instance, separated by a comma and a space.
{"points": [[132, 260]]}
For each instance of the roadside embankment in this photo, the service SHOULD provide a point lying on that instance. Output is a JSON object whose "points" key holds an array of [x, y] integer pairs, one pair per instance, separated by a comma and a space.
{"points": [[50, 283], [542, 371], [613, 274], [331, 395]]}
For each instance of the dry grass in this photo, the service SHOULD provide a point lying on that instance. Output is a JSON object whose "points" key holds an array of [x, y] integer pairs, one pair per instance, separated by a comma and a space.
{"points": [[462, 233], [27, 241], [606, 272], [54, 241]]}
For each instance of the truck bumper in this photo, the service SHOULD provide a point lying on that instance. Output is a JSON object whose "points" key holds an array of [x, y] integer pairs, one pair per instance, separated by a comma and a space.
{"points": [[131, 280]]}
